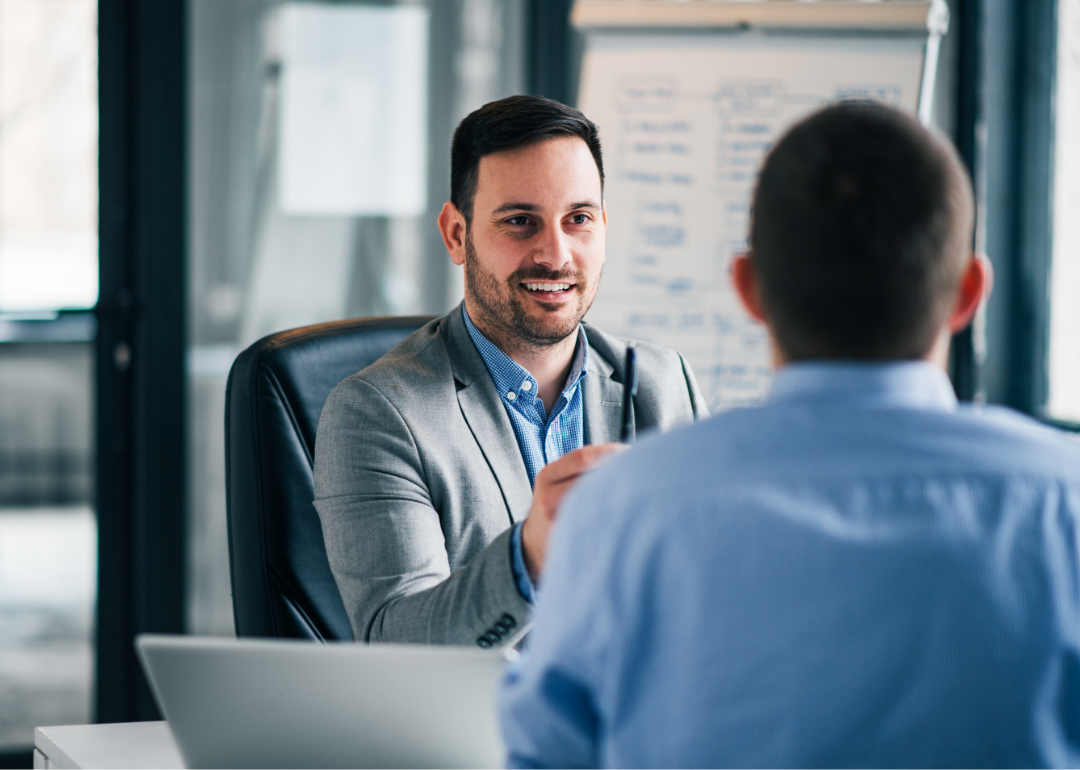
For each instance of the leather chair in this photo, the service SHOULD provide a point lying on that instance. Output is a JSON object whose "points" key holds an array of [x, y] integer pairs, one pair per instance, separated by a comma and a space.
{"points": [[281, 580]]}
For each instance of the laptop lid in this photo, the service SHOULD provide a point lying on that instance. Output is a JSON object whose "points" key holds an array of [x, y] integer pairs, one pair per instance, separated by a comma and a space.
{"points": [[279, 703]]}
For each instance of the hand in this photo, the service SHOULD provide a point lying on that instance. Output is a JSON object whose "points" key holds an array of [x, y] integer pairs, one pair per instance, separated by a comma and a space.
{"points": [[552, 482]]}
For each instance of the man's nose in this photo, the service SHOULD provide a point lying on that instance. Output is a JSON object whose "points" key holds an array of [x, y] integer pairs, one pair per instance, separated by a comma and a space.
{"points": [[553, 249]]}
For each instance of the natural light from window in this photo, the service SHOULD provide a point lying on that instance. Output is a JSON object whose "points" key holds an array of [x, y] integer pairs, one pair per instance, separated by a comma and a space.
{"points": [[48, 155], [48, 263], [1065, 268]]}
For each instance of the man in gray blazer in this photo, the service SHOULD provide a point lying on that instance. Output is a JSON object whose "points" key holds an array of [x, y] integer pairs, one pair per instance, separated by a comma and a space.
{"points": [[439, 468]]}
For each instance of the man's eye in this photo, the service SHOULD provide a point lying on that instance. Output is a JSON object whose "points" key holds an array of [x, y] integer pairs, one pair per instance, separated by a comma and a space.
{"points": [[518, 221], [579, 219]]}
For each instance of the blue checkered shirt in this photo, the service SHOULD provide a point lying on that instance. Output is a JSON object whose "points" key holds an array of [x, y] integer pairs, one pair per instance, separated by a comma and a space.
{"points": [[541, 437]]}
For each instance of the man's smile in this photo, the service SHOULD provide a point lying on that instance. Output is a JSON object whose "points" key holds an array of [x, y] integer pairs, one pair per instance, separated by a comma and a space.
{"points": [[547, 290]]}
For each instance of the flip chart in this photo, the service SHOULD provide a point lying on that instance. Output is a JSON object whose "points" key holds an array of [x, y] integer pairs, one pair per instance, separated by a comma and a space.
{"points": [[685, 119]]}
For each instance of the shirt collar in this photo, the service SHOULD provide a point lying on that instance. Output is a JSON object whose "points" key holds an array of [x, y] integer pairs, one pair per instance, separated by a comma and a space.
{"points": [[904, 384], [509, 376]]}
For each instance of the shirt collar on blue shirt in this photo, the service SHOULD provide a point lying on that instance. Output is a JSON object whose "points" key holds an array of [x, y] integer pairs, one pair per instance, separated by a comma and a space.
{"points": [[511, 377], [902, 384]]}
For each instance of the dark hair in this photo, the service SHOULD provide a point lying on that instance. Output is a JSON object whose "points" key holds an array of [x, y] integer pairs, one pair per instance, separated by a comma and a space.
{"points": [[508, 124], [862, 223]]}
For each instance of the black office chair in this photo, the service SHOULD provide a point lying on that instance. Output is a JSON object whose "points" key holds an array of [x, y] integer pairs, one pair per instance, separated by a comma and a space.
{"points": [[281, 580]]}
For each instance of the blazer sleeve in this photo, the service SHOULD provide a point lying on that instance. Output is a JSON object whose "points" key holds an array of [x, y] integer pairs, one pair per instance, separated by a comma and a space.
{"points": [[384, 536]]}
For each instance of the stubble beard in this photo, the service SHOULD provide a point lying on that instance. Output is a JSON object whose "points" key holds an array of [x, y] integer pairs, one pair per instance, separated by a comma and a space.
{"points": [[502, 312]]}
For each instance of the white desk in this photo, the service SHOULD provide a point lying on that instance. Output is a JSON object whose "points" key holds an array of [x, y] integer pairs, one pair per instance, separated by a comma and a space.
{"points": [[125, 745]]}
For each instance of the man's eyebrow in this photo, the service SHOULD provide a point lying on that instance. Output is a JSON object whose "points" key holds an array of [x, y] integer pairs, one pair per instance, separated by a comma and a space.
{"points": [[516, 207], [532, 207]]}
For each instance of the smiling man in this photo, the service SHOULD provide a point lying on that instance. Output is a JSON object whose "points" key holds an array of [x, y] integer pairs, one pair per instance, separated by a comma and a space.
{"points": [[439, 469]]}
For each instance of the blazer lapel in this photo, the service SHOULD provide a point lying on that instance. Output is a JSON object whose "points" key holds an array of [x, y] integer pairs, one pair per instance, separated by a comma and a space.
{"points": [[487, 419], [603, 401]]}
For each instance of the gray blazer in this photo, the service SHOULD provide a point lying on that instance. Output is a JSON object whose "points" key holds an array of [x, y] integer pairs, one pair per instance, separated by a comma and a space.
{"points": [[418, 479]]}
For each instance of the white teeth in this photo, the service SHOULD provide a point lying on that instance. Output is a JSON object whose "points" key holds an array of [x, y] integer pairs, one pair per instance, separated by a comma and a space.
{"points": [[547, 286]]}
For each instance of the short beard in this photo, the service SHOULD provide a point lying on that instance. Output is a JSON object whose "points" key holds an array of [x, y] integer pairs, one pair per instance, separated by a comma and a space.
{"points": [[505, 315]]}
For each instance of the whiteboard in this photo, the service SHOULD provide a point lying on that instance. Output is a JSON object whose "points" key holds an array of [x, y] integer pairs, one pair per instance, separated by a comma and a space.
{"points": [[685, 120]]}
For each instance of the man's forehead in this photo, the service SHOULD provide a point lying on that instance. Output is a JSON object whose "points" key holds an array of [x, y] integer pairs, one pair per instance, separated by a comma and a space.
{"points": [[525, 177]]}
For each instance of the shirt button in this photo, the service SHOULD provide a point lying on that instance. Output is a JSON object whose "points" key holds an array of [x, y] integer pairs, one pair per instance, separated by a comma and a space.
{"points": [[511, 395], [526, 386]]}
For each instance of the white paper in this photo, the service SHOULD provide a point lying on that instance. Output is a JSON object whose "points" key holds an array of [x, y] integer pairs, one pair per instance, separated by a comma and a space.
{"points": [[685, 122], [353, 110]]}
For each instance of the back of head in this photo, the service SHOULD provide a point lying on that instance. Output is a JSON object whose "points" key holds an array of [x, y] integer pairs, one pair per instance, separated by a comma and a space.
{"points": [[508, 124], [861, 227]]}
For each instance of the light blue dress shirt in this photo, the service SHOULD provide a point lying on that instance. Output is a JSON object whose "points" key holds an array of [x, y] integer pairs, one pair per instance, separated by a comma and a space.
{"points": [[858, 572], [541, 437]]}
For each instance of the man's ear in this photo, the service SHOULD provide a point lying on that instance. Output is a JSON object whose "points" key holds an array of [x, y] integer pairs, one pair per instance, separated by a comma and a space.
{"points": [[744, 278], [453, 228], [976, 283]]}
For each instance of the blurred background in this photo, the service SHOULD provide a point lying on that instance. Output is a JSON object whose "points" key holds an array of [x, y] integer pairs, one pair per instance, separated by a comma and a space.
{"points": [[261, 255], [48, 287], [212, 146], [277, 238]]}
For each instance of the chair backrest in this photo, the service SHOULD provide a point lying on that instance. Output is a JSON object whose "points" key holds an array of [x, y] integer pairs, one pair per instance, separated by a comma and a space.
{"points": [[281, 580]]}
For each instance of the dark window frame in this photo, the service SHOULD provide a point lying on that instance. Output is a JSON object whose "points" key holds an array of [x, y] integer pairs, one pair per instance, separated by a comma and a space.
{"points": [[140, 396]]}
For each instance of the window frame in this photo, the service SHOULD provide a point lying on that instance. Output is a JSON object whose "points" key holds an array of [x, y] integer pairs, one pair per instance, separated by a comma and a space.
{"points": [[1006, 135]]}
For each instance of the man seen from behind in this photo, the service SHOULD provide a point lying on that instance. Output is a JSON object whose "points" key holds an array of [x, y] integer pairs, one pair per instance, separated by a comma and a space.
{"points": [[858, 572]]}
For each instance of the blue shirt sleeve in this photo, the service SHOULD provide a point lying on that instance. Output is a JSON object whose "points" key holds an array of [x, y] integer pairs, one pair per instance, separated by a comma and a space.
{"points": [[547, 703], [557, 729], [521, 572]]}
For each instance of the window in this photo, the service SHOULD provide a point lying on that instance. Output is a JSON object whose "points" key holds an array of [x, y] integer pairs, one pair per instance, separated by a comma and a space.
{"points": [[1064, 364], [48, 263], [48, 155]]}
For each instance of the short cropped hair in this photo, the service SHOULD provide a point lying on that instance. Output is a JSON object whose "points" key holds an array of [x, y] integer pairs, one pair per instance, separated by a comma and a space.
{"points": [[517, 121], [861, 226]]}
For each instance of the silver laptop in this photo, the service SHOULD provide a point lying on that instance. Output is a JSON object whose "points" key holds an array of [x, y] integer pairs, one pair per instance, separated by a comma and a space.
{"points": [[269, 703]]}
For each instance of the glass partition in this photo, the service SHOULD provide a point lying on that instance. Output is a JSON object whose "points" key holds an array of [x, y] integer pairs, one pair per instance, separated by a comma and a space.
{"points": [[48, 264], [319, 158]]}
